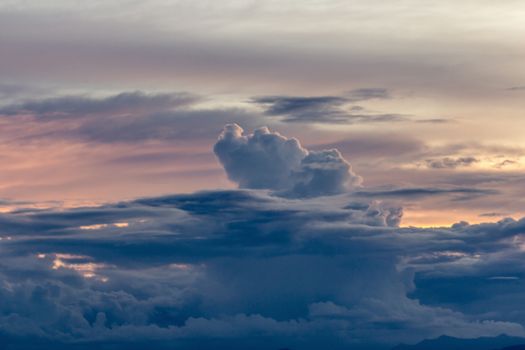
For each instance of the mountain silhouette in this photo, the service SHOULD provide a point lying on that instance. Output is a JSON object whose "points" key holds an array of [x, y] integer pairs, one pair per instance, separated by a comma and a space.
{"points": [[515, 347], [501, 342]]}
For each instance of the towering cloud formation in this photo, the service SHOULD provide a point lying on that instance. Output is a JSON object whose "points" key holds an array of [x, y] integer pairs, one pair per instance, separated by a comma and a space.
{"points": [[268, 160], [242, 270]]}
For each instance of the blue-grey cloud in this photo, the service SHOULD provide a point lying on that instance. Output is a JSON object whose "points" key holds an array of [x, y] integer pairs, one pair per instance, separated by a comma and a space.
{"points": [[340, 117], [237, 269], [281, 105], [451, 163], [327, 109], [268, 160], [16, 91], [434, 121], [492, 214], [179, 125], [364, 94], [81, 106], [422, 192], [125, 117]]}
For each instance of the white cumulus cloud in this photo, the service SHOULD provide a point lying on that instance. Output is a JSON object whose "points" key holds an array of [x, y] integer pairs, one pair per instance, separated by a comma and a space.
{"points": [[268, 160]]}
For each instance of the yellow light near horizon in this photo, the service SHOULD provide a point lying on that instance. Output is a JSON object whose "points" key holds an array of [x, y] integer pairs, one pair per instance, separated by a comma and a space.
{"points": [[442, 218]]}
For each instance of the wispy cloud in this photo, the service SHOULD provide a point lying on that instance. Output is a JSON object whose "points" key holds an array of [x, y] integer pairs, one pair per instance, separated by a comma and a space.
{"points": [[81, 106], [422, 192], [365, 94], [451, 163], [327, 109], [125, 117], [517, 88]]}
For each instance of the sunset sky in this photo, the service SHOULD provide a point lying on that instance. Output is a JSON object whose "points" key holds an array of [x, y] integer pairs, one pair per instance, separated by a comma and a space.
{"points": [[445, 83], [409, 111]]}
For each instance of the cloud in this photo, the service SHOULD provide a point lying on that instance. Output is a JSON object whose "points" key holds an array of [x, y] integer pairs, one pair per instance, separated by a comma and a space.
{"points": [[10, 91], [367, 94], [126, 117], [421, 192], [434, 121], [492, 214], [178, 125], [279, 105], [81, 106], [451, 163], [327, 109], [268, 160], [237, 269], [344, 118], [505, 163]]}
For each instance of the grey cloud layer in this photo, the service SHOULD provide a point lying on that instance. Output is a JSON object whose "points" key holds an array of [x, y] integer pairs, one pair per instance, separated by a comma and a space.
{"points": [[232, 42], [234, 269]]}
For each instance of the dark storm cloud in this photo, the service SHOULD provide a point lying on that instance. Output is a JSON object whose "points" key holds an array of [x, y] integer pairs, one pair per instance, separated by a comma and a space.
{"points": [[268, 160], [234, 269]]}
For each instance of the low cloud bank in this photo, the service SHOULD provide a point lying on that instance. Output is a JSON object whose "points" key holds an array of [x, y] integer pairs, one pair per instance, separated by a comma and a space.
{"points": [[243, 269]]}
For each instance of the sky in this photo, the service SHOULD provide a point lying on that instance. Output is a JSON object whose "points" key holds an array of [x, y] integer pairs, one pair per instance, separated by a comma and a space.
{"points": [[364, 158], [414, 94]]}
